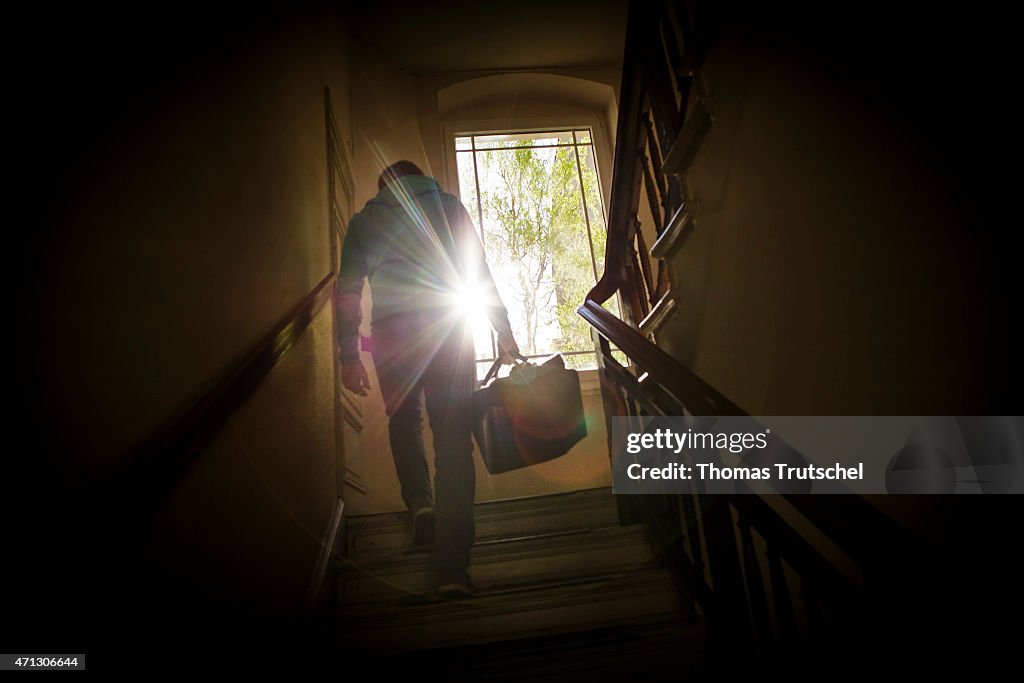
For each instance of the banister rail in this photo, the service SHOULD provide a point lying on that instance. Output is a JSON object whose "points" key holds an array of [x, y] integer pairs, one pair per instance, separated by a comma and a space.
{"points": [[739, 556], [699, 397], [627, 144], [158, 462], [116, 514]]}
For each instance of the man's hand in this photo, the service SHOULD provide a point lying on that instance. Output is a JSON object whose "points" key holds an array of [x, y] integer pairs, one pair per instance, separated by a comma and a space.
{"points": [[508, 350], [354, 378]]}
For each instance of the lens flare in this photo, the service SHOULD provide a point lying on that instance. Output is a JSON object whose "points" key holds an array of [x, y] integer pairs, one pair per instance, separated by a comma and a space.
{"points": [[469, 301]]}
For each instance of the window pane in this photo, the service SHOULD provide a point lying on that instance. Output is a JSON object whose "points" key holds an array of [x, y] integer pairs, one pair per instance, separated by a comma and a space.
{"points": [[463, 143], [582, 361], [467, 186], [534, 230], [583, 136]]}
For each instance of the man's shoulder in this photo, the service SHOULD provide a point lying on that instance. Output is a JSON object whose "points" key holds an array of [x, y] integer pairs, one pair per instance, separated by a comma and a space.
{"points": [[450, 201], [357, 222], [366, 216], [447, 196], [360, 226]]}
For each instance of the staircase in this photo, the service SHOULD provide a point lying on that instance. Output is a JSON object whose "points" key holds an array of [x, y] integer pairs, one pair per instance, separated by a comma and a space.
{"points": [[562, 590]]}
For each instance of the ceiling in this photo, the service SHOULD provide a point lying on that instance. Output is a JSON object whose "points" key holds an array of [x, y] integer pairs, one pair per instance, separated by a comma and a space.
{"points": [[436, 37]]}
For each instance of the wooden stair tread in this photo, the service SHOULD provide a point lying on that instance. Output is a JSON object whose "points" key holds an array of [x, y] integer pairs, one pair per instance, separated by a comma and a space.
{"points": [[535, 611]]}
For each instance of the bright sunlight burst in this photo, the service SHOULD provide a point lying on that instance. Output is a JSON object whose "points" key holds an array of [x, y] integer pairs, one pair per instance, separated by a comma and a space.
{"points": [[470, 302]]}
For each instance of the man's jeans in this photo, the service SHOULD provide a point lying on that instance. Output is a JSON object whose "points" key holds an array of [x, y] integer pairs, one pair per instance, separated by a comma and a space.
{"points": [[429, 358]]}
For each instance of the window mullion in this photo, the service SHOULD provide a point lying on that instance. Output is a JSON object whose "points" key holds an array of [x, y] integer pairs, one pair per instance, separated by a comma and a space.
{"points": [[480, 217], [586, 213]]}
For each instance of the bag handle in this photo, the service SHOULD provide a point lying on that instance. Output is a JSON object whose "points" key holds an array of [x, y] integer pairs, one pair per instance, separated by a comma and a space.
{"points": [[493, 372]]}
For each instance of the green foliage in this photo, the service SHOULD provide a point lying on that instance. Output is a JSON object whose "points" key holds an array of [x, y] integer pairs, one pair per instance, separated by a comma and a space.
{"points": [[534, 218]]}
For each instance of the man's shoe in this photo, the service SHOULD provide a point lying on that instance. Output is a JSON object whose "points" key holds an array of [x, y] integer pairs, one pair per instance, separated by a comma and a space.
{"points": [[423, 526], [454, 584]]}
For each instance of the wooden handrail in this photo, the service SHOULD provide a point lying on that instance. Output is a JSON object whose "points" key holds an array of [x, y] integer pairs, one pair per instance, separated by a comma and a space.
{"points": [[699, 397], [158, 462], [625, 163], [735, 598]]}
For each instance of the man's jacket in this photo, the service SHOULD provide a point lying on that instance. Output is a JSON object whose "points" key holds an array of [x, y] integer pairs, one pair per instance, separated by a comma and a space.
{"points": [[419, 248]]}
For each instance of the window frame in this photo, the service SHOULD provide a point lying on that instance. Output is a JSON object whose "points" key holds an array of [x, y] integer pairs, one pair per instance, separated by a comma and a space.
{"points": [[600, 142]]}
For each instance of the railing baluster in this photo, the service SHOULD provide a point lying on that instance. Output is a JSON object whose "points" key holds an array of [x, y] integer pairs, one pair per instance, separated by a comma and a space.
{"points": [[653, 199], [670, 196], [693, 525], [645, 267], [781, 600], [678, 17], [610, 399], [661, 95], [663, 286], [624, 379], [763, 633], [641, 286], [666, 113], [726, 575], [656, 161], [672, 42], [680, 61], [815, 622], [633, 286]]}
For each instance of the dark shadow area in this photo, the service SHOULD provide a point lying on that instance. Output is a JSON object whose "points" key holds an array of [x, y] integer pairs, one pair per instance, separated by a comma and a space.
{"points": [[77, 573]]}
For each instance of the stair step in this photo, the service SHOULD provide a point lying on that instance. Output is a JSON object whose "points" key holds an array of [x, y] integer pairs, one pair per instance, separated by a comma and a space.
{"points": [[394, 606], [379, 534], [537, 610], [502, 561], [612, 653]]}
